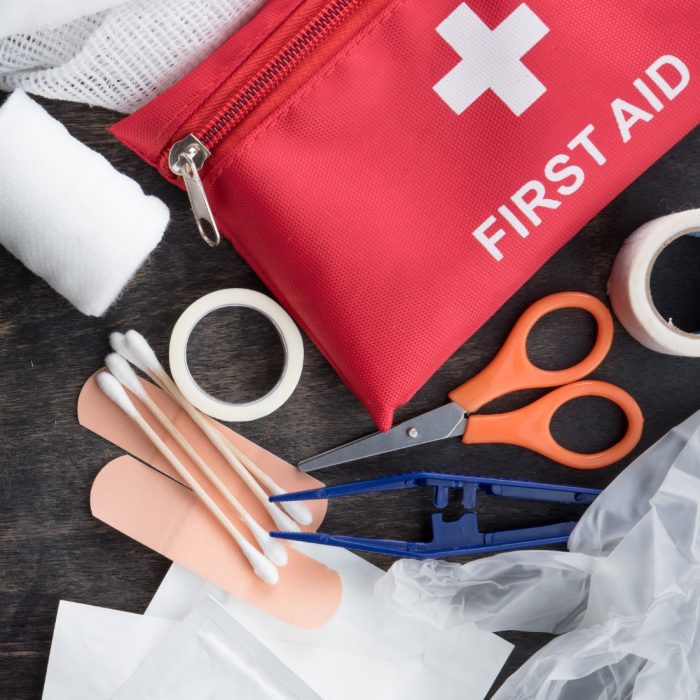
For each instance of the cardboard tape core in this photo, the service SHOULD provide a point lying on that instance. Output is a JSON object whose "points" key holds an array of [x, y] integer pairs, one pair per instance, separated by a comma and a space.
{"points": [[291, 342], [674, 280]]}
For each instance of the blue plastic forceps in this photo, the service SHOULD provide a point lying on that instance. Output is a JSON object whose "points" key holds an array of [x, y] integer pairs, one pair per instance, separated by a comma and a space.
{"points": [[454, 537]]}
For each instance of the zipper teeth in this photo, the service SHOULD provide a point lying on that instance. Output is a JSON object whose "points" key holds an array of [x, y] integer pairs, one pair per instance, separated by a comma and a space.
{"points": [[275, 71]]}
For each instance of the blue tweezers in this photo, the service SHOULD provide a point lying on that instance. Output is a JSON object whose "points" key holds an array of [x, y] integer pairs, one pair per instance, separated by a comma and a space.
{"points": [[455, 537]]}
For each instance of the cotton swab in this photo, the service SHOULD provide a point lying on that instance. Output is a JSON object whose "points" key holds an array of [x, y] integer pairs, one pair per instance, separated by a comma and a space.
{"points": [[275, 551], [118, 343], [138, 347], [261, 565], [298, 510]]}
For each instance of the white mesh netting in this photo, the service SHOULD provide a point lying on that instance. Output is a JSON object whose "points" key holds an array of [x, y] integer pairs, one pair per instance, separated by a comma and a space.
{"points": [[122, 57]]}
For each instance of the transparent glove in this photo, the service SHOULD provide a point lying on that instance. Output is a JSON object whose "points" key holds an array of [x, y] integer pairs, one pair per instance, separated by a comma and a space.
{"points": [[625, 599]]}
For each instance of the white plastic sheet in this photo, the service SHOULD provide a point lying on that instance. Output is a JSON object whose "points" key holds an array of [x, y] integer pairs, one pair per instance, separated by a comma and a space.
{"points": [[95, 650], [99, 653], [625, 599], [365, 650], [210, 655]]}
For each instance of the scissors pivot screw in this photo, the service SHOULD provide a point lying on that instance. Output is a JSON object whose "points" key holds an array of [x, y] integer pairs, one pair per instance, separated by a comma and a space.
{"points": [[412, 433]]}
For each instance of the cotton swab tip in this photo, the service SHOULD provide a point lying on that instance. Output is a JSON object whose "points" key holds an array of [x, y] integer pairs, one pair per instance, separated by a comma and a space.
{"points": [[282, 520], [138, 346], [273, 549], [123, 373], [296, 509], [299, 511], [114, 390], [262, 566], [117, 342]]}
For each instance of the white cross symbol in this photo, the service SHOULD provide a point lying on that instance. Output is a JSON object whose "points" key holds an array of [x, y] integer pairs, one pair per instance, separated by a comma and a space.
{"points": [[491, 59]]}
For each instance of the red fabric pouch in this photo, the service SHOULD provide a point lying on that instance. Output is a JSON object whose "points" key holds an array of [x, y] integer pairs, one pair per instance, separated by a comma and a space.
{"points": [[395, 169]]}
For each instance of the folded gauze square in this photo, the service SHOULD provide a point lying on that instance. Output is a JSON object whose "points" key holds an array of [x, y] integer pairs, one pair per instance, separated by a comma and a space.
{"points": [[67, 214]]}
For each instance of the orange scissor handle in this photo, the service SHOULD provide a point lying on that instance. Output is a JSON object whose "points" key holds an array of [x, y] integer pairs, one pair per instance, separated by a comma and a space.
{"points": [[512, 370], [530, 426]]}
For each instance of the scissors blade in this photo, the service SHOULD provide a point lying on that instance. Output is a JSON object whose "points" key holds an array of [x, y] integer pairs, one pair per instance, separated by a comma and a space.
{"points": [[440, 423]]}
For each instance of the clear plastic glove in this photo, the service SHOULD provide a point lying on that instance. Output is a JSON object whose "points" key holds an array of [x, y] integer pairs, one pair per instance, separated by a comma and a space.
{"points": [[625, 599]]}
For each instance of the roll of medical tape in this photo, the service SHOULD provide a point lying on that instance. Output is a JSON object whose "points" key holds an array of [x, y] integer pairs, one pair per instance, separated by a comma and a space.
{"points": [[291, 341], [629, 286]]}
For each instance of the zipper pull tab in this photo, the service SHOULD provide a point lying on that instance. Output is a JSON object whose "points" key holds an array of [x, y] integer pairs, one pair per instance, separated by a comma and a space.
{"points": [[186, 159]]}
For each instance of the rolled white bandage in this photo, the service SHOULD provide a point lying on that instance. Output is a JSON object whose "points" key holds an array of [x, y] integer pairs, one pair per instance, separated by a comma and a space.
{"points": [[66, 213], [629, 285]]}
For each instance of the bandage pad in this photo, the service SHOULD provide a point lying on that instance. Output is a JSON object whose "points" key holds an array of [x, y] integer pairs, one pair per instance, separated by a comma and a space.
{"points": [[153, 507]]}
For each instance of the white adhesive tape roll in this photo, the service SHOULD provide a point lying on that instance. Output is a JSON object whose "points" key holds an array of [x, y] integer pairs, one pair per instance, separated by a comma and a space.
{"points": [[629, 285], [291, 340]]}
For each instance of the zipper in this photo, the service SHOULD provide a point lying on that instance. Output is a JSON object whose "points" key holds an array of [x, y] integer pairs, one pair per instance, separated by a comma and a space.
{"points": [[188, 155], [186, 159]]}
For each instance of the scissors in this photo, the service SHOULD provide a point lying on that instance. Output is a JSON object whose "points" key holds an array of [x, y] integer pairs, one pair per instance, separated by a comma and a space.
{"points": [[511, 370]]}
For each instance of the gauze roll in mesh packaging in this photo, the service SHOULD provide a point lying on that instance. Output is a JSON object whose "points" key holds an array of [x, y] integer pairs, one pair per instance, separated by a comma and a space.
{"points": [[20, 16], [122, 57], [67, 214]]}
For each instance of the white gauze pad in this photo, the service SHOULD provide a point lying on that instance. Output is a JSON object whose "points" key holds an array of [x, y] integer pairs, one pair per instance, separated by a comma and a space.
{"points": [[66, 213]]}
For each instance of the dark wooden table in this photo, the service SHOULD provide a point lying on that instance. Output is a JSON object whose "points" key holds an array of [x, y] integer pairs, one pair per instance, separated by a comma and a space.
{"points": [[51, 546]]}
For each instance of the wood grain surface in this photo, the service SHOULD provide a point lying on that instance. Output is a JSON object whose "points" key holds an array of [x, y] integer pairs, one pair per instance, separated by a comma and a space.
{"points": [[53, 549]]}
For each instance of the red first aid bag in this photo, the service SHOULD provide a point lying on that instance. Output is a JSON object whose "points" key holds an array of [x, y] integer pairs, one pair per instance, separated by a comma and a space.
{"points": [[394, 170]]}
